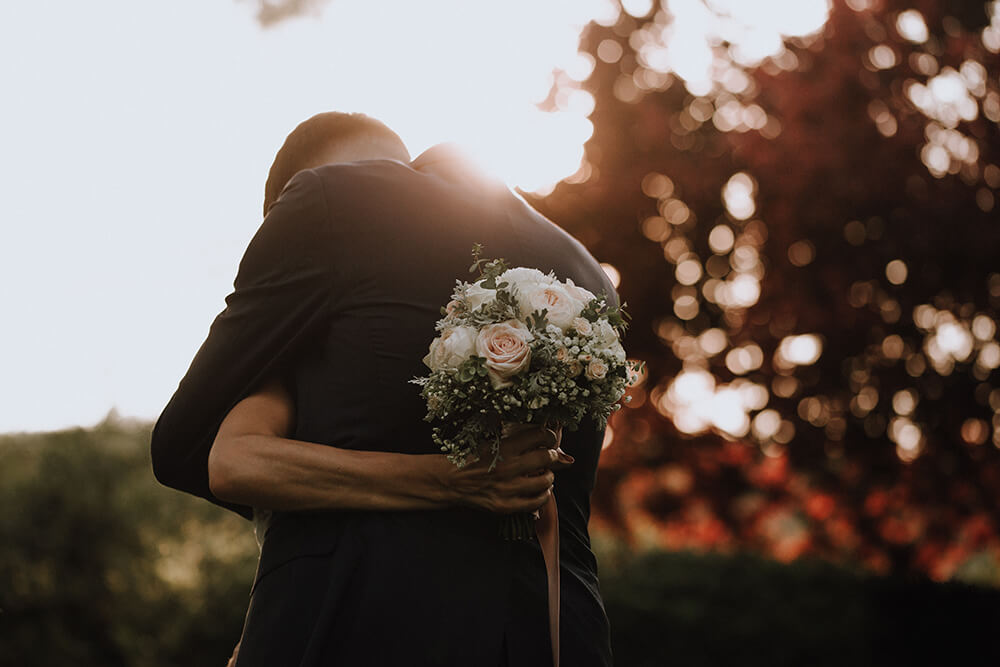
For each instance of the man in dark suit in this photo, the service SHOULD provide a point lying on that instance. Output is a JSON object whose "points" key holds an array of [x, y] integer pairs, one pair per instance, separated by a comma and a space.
{"points": [[378, 552]]}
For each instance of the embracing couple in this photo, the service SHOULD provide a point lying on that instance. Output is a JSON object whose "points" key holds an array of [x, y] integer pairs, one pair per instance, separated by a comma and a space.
{"points": [[297, 412]]}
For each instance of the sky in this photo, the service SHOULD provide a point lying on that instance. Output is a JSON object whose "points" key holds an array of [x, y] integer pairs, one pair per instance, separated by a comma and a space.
{"points": [[136, 137]]}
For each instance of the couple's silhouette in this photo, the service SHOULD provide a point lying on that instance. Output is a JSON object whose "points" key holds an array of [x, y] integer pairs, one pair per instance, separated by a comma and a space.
{"points": [[376, 550]]}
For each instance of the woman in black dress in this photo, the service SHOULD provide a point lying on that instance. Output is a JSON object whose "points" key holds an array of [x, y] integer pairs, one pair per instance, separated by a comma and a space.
{"points": [[253, 462]]}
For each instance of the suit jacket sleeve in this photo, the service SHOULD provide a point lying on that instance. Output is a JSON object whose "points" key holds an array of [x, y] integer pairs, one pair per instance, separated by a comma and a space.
{"points": [[278, 305]]}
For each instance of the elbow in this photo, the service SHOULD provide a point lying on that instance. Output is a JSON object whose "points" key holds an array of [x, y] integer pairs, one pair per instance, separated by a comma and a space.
{"points": [[223, 471], [165, 469]]}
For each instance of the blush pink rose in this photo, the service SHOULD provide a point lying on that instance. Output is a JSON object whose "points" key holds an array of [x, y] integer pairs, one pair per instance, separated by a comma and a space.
{"points": [[505, 347], [596, 369]]}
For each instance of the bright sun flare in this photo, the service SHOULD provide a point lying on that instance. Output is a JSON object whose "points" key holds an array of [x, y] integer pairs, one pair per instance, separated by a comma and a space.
{"points": [[533, 149]]}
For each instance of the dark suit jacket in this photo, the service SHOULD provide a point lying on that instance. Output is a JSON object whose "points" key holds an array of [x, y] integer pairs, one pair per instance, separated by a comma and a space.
{"points": [[338, 292]]}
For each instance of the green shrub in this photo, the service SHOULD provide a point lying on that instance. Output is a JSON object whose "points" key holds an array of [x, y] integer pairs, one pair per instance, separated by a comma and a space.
{"points": [[100, 565]]}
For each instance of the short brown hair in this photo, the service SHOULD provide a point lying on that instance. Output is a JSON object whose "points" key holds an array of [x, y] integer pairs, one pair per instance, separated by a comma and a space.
{"points": [[307, 143]]}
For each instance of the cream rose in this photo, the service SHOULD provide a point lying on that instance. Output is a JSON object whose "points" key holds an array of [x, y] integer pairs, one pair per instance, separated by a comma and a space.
{"points": [[596, 369], [505, 347], [579, 293], [449, 350], [560, 307], [583, 326]]}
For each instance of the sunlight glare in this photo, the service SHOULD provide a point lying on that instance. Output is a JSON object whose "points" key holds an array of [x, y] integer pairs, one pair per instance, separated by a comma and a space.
{"points": [[487, 100], [755, 31]]}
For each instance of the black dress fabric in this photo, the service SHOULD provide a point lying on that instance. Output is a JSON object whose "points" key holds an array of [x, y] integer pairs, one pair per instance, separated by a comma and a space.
{"points": [[338, 292]]}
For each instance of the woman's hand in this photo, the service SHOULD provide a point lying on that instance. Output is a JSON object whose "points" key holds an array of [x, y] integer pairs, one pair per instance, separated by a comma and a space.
{"points": [[521, 481]]}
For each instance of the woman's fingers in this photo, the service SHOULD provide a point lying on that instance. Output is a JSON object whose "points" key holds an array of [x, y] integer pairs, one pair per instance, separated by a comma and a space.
{"points": [[522, 480], [517, 494], [527, 485], [526, 438], [530, 461]]}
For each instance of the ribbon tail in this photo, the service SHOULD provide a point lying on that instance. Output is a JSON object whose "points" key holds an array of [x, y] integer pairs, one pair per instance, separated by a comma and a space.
{"points": [[547, 528]]}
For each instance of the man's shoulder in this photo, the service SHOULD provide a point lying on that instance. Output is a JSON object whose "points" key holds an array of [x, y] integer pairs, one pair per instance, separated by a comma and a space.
{"points": [[352, 174]]}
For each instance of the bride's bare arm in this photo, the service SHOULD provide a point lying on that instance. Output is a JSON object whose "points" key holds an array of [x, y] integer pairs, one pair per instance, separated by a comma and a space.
{"points": [[253, 462]]}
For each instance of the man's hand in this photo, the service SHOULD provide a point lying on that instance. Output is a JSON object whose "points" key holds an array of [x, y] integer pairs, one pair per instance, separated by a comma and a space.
{"points": [[522, 480]]}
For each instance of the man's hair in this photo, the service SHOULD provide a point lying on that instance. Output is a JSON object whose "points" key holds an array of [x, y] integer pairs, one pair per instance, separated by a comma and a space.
{"points": [[311, 141]]}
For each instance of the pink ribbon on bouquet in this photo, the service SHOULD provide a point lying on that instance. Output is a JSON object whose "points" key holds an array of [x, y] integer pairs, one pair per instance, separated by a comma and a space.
{"points": [[547, 529]]}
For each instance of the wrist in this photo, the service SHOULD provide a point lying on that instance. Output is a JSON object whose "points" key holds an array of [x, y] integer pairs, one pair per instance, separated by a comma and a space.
{"points": [[437, 476]]}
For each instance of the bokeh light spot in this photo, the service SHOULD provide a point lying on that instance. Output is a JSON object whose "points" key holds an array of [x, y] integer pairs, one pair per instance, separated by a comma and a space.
{"points": [[657, 186], [896, 272], [975, 431], [614, 275], [610, 51], [911, 26], [689, 271], [721, 239], [738, 196], [686, 307], [801, 253], [799, 350], [904, 402], [882, 57]]}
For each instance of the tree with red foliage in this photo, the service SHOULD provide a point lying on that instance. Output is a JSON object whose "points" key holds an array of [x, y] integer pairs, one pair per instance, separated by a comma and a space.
{"points": [[808, 243]]}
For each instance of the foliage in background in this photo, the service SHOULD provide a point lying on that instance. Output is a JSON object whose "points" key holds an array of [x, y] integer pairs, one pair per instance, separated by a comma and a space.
{"points": [[99, 565], [808, 244], [701, 610]]}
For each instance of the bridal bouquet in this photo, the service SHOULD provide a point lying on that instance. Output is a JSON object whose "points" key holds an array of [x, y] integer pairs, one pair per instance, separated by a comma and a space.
{"points": [[520, 346]]}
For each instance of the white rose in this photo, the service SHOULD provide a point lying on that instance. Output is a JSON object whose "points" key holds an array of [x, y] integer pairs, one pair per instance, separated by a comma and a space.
{"points": [[477, 295], [520, 277], [560, 306], [449, 350], [505, 347], [604, 334], [579, 293], [615, 351]]}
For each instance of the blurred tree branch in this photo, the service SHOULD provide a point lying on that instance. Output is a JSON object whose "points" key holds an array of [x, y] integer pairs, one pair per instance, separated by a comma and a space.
{"points": [[272, 12]]}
